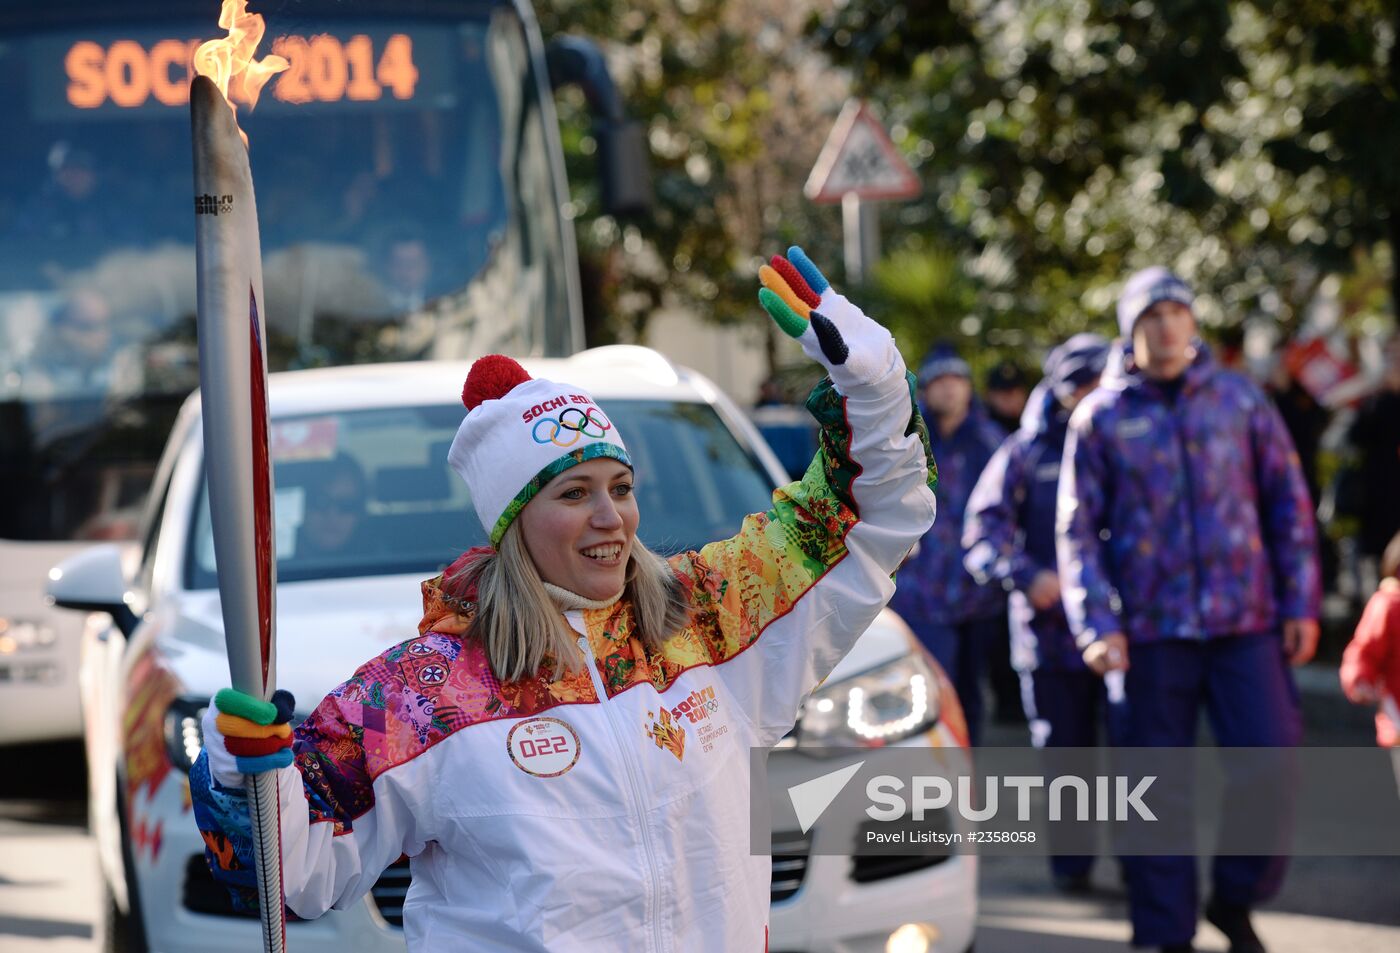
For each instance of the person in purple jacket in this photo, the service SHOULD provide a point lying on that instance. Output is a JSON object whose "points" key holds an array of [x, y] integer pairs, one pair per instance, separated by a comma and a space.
{"points": [[950, 612], [1186, 550], [1009, 535]]}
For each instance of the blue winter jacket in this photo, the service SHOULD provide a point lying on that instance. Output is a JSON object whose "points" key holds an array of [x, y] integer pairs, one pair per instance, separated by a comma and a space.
{"points": [[1185, 519], [932, 588], [1009, 531]]}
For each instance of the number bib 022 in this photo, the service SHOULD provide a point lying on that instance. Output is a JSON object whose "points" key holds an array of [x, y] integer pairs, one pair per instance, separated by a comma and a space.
{"points": [[543, 747]]}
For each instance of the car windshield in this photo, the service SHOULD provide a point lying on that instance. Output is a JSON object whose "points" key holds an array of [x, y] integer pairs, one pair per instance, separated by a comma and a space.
{"points": [[408, 209], [369, 492]]}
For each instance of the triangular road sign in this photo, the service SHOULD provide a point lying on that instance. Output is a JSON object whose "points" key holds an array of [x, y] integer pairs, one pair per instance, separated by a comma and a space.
{"points": [[860, 158]]}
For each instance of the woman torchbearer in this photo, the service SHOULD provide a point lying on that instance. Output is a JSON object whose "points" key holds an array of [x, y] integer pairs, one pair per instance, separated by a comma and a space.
{"points": [[563, 749]]}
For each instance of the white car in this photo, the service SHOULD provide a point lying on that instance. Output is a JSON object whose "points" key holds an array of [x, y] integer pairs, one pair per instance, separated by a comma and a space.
{"points": [[366, 508]]}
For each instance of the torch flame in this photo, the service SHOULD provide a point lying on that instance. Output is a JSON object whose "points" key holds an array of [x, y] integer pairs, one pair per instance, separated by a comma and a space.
{"points": [[229, 61]]}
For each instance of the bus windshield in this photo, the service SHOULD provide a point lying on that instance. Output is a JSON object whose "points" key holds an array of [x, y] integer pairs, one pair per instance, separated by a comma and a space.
{"points": [[408, 190]]}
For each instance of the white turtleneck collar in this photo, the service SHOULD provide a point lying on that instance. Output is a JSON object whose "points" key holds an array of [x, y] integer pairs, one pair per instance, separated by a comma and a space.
{"points": [[567, 601]]}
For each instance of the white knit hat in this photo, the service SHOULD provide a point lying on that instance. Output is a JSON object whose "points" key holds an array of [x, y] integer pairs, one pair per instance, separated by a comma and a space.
{"points": [[520, 433]]}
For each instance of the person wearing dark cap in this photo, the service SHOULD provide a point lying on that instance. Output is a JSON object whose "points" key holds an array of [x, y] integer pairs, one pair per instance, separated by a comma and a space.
{"points": [[1005, 398], [954, 616], [1187, 555], [1006, 394], [1009, 535]]}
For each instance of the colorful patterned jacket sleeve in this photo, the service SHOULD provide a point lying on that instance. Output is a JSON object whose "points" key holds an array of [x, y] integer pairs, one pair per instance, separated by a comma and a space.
{"points": [[343, 819], [804, 579], [1080, 516], [991, 529], [1286, 515]]}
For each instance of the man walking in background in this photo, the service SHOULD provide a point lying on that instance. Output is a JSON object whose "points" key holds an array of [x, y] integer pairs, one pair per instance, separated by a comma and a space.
{"points": [[1187, 555], [1005, 395], [1009, 534], [949, 611]]}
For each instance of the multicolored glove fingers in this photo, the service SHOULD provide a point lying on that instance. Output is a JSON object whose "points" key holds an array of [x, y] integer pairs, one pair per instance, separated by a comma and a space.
{"points": [[780, 286], [810, 272], [254, 747], [257, 733], [792, 289], [795, 280], [792, 324], [231, 726], [788, 293]]}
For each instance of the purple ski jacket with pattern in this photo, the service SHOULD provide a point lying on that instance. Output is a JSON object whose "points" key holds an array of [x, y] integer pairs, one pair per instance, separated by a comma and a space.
{"points": [[1009, 532], [1182, 519], [933, 588]]}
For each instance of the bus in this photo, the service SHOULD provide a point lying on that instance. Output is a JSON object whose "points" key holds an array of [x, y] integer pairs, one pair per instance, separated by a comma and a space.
{"points": [[412, 205]]}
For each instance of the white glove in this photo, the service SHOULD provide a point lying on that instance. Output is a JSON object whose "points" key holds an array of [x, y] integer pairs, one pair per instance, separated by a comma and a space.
{"points": [[835, 333]]}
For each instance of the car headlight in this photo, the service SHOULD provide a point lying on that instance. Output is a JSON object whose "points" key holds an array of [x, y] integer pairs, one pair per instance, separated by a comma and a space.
{"points": [[879, 707], [183, 735], [24, 635]]}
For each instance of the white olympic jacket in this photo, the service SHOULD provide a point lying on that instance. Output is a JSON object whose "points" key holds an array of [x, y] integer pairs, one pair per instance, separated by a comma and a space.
{"points": [[605, 811]]}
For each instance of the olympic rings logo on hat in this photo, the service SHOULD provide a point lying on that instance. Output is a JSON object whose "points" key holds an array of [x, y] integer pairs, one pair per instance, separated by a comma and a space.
{"points": [[573, 424]]}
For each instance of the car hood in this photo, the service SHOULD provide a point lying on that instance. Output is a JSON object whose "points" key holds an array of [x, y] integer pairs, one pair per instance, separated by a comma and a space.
{"points": [[325, 630]]}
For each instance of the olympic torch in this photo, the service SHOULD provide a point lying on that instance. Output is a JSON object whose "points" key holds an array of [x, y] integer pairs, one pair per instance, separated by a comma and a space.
{"points": [[233, 389]]}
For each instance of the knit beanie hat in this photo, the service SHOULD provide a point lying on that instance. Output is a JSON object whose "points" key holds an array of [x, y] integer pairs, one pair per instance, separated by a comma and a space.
{"points": [[941, 361], [1076, 362], [1144, 289], [520, 433]]}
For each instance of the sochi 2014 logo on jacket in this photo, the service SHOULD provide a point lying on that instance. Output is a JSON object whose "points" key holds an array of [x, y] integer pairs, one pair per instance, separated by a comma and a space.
{"points": [[698, 705], [543, 747], [668, 730]]}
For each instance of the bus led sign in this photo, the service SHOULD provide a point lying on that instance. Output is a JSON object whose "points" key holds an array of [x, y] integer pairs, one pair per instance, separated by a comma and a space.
{"points": [[324, 69]]}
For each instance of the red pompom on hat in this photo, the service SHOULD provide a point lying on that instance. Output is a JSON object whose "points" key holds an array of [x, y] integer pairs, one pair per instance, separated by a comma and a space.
{"points": [[491, 378]]}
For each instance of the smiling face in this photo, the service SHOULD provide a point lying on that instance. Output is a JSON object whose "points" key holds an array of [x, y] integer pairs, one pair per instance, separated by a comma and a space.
{"points": [[579, 530]]}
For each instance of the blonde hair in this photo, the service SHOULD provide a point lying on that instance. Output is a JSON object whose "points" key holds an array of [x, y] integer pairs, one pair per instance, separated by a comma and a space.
{"points": [[522, 629]]}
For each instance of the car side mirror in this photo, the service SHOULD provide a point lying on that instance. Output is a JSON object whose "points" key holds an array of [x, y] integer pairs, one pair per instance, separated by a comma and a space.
{"points": [[92, 581]]}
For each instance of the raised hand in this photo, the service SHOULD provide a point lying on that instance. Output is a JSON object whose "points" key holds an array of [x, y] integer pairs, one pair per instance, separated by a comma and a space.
{"points": [[833, 331]]}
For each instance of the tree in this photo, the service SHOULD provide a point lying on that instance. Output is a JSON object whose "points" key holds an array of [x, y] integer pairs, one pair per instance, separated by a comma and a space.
{"points": [[735, 104], [1063, 144]]}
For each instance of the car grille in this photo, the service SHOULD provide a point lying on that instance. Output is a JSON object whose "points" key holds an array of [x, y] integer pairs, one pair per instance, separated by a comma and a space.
{"points": [[203, 894], [868, 866], [790, 852], [390, 890], [789, 868]]}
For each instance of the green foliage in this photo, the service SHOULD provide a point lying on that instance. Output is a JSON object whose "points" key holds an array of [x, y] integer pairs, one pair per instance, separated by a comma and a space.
{"points": [[731, 96], [1061, 143], [1250, 146]]}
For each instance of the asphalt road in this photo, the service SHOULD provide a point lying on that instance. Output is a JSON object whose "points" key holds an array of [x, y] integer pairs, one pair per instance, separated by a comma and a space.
{"points": [[51, 899]]}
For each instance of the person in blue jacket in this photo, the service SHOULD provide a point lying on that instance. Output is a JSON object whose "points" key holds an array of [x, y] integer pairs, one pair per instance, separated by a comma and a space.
{"points": [[950, 612], [1009, 535], [1187, 557]]}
